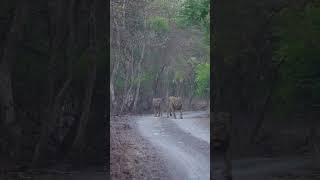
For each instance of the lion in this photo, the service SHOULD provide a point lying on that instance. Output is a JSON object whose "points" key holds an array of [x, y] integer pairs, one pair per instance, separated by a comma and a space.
{"points": [[221, 139], [173, 104], [156, 103]]}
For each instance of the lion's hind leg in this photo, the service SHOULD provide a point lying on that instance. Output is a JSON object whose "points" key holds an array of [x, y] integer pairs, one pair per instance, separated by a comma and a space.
{"points": [[174, 114]]}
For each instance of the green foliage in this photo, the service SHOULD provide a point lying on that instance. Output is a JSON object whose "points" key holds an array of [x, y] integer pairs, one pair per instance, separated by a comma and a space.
{"points": [[195, 12], [179, 76], [102, 57], [166, 8], [119, 83], [159, 24], [81, 66], [299, 48], [203, 79], [146, 77]]}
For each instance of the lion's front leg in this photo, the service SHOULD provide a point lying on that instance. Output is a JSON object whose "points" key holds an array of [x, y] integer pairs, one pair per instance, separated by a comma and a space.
{"points": [[181, 114], [227, 170]]}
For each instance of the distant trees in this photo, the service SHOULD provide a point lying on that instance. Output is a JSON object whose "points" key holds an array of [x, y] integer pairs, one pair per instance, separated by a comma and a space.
{"points": [[51, 56], [152, 55], [203, 79], [299, 83], [13, 37], [268, 65]]}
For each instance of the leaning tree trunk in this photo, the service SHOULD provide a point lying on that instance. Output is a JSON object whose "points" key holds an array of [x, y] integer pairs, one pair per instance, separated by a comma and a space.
{"points": [[116, 66], [52, 102], [223, 74], [128, 94], [112, 91], [314, 142], [14, 37], [79, 142], [139, 70], [139, 79], [97, 41]]}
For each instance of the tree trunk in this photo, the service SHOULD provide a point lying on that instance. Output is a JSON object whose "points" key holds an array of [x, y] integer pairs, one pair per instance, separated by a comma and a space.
{"points": [[139, 78], [115, 69], [79, 142], [222, 69], [14, 37], [52, 102], [264, 108], [7, 101], [156, 82], [96, 25], [314, 142], [112, 79], [128, 95], [260, 119], [190, 101]]}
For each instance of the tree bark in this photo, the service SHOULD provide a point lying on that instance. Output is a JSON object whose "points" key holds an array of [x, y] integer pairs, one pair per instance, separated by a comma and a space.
{"points": [[79, 141], [264, 108], [112, 79], [97, 42], [128, 95], [14, 37], [115, 69], [53, 101], [139, 78], [156, 82], [222, 68], [314, 141]]}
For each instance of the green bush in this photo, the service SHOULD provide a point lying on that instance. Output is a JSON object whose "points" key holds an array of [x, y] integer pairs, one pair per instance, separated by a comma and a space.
{"points": [[203, 79], [159, 24], [299, 49]]}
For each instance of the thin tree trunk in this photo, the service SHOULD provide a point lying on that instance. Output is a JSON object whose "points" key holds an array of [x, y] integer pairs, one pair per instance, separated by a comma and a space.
{"points": [[112, 78], [128, 96], [222, 71], [261, 114], [139, 68], [115, 69], [139, 78], [190, 101], [14, 37], [79, 142], [51, 109], [314, 141], [156, 82]]}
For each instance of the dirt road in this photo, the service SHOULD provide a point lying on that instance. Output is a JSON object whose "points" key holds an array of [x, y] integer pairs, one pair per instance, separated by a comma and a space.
{"points": [[183, 144], [148, 147], [283, 168]]}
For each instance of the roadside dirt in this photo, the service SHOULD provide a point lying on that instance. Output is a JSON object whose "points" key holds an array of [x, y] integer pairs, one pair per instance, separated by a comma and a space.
{"points": [[132, 157], [182, 144]]}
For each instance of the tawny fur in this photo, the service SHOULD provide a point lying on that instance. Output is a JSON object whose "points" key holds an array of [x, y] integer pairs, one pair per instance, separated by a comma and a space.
{"points": [[174, 104]]}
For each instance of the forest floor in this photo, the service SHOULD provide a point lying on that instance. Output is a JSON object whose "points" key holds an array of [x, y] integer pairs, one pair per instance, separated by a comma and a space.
{"points": [[131, 156], [60, 171], [56, 173], [148, 147], [284, 168]]}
